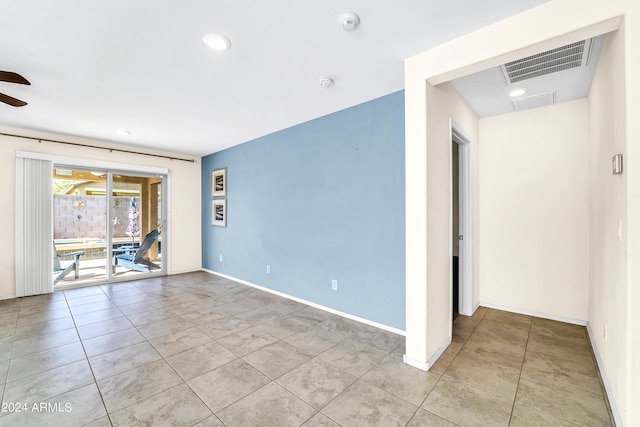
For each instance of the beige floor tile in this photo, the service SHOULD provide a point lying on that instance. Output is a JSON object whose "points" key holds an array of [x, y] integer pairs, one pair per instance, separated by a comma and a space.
{"points": [[96, 316], [465, 405], [48, 384], [283, 327], [277, 359], [363, 404], [137, 384], [43, 316], [524, 416], [227, 384], [104, 328], [425, 418], [42, 361], [171, 344], [259, 315], [42, 328], [402, 380], [44, 342], [316, 340], [320, 420], [165, 327], [352, 356], [212, 421], [444, 360], [247, 341], [504, 352], [151, 316], [198, 360], [177, 406], [269, 406], [75, 408], [493, 377], [124, 359], [89, 308], [316, 382], [378, 339], [110, 342], [550, 394], [578, 372], [224, 327], [558, 346]]}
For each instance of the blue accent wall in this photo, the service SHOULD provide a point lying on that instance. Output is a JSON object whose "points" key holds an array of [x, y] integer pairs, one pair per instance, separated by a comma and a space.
{"points": [[319, 201]]}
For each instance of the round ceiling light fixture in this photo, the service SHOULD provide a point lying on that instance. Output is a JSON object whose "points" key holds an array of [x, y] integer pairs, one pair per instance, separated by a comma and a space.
{"points": [[217, 41], [325, 82], [517, 92], [349, 21]]}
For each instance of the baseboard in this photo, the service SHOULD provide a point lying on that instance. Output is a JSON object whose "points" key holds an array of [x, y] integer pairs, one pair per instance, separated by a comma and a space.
{"points": [[535, 314], [8, 297], [603, 375], [312, 304], [423, 366]]}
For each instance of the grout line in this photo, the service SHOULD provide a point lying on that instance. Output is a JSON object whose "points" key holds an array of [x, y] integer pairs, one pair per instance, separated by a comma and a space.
{"points": [[524, 356]]}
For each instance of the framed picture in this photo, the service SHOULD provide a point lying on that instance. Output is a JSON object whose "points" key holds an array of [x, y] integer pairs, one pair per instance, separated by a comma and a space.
{"points": [[219, 182], [219, 212]]}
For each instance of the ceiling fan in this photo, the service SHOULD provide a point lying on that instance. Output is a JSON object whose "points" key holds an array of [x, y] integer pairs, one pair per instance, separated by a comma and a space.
{"points": [[8, 76]]}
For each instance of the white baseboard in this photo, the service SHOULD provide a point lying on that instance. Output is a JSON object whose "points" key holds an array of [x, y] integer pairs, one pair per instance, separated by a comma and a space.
{"points": [[312, 304], [535, 314], [8, 297], [423, 366], [603, 374]]}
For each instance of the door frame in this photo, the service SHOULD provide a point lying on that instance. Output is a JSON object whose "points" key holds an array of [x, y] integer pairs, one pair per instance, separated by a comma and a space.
{"points": [[465, 228]]}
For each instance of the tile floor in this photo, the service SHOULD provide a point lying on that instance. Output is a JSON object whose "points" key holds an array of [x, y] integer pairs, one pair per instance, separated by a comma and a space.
{"points": [[199, 350]]}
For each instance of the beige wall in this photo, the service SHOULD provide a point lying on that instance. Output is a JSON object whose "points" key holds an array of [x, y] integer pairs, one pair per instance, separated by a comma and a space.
{"points": [[608, 289], [185, 219], [434, 258], [550, 25], [534, 210]]}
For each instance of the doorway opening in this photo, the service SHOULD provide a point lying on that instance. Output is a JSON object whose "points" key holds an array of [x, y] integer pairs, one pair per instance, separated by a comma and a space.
{"points": [[461, 247]]}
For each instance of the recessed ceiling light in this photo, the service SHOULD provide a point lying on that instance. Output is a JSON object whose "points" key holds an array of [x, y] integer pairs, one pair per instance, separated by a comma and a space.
{"points": [[517, 92], [123, 132], [217, 41]]}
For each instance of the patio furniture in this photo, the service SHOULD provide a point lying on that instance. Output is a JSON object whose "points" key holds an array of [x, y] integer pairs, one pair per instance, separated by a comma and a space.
{"points": [[62, 268], [133, 257]]}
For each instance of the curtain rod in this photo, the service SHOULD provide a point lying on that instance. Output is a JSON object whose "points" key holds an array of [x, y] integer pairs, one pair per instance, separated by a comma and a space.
{"points": [[77, 144]]}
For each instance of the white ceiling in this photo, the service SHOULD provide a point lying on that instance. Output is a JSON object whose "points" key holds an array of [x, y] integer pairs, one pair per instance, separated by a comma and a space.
{"points": [[106, 65], [487, 92]]}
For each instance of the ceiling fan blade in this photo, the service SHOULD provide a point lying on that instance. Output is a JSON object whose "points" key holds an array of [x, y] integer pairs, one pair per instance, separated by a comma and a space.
{"points": [[8, 76], [11, 101]]}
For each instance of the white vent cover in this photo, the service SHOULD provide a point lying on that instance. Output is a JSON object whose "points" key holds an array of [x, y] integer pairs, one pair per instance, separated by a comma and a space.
{"points": [[534, 101], [563, 58]]}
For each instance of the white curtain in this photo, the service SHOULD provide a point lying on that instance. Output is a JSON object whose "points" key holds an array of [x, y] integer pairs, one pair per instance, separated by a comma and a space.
{"points": [[34, 226]]}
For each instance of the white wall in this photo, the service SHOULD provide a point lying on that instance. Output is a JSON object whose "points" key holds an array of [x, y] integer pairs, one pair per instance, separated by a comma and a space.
{"points": [[608, 259], [534, 210], [428, 256], [184, 228]]}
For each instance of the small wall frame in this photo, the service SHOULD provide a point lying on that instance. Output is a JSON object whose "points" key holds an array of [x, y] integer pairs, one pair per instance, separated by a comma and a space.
{"points": [[219, 212], [219, 182]]}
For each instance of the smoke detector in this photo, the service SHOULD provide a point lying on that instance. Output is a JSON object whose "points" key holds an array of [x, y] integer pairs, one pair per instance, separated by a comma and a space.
{"points": [[325, 82], [349, 21]]}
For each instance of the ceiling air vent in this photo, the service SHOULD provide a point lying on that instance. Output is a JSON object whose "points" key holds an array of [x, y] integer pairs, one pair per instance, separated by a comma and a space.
{"points": [[563, 58], [534, 101]]}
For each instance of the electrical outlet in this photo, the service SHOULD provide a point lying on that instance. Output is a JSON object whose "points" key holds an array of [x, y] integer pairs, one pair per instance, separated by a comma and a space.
{"points": [[220, 257], [268, 269], [334, 285]]}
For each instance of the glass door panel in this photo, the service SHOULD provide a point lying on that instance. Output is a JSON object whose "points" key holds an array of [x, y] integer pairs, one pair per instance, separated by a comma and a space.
{"points": [[79, 226], [136, 232]]}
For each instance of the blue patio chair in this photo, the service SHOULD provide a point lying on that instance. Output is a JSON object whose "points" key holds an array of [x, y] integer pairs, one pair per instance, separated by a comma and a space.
{"points": [[62, 268], [134, 257]]}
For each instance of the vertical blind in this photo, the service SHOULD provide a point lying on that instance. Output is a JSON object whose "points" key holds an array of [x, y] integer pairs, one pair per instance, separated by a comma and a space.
{"points": [[34, 228]]}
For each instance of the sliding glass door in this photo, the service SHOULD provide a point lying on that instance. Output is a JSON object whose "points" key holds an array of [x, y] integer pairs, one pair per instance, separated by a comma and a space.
{"points": [[107, 225]]}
